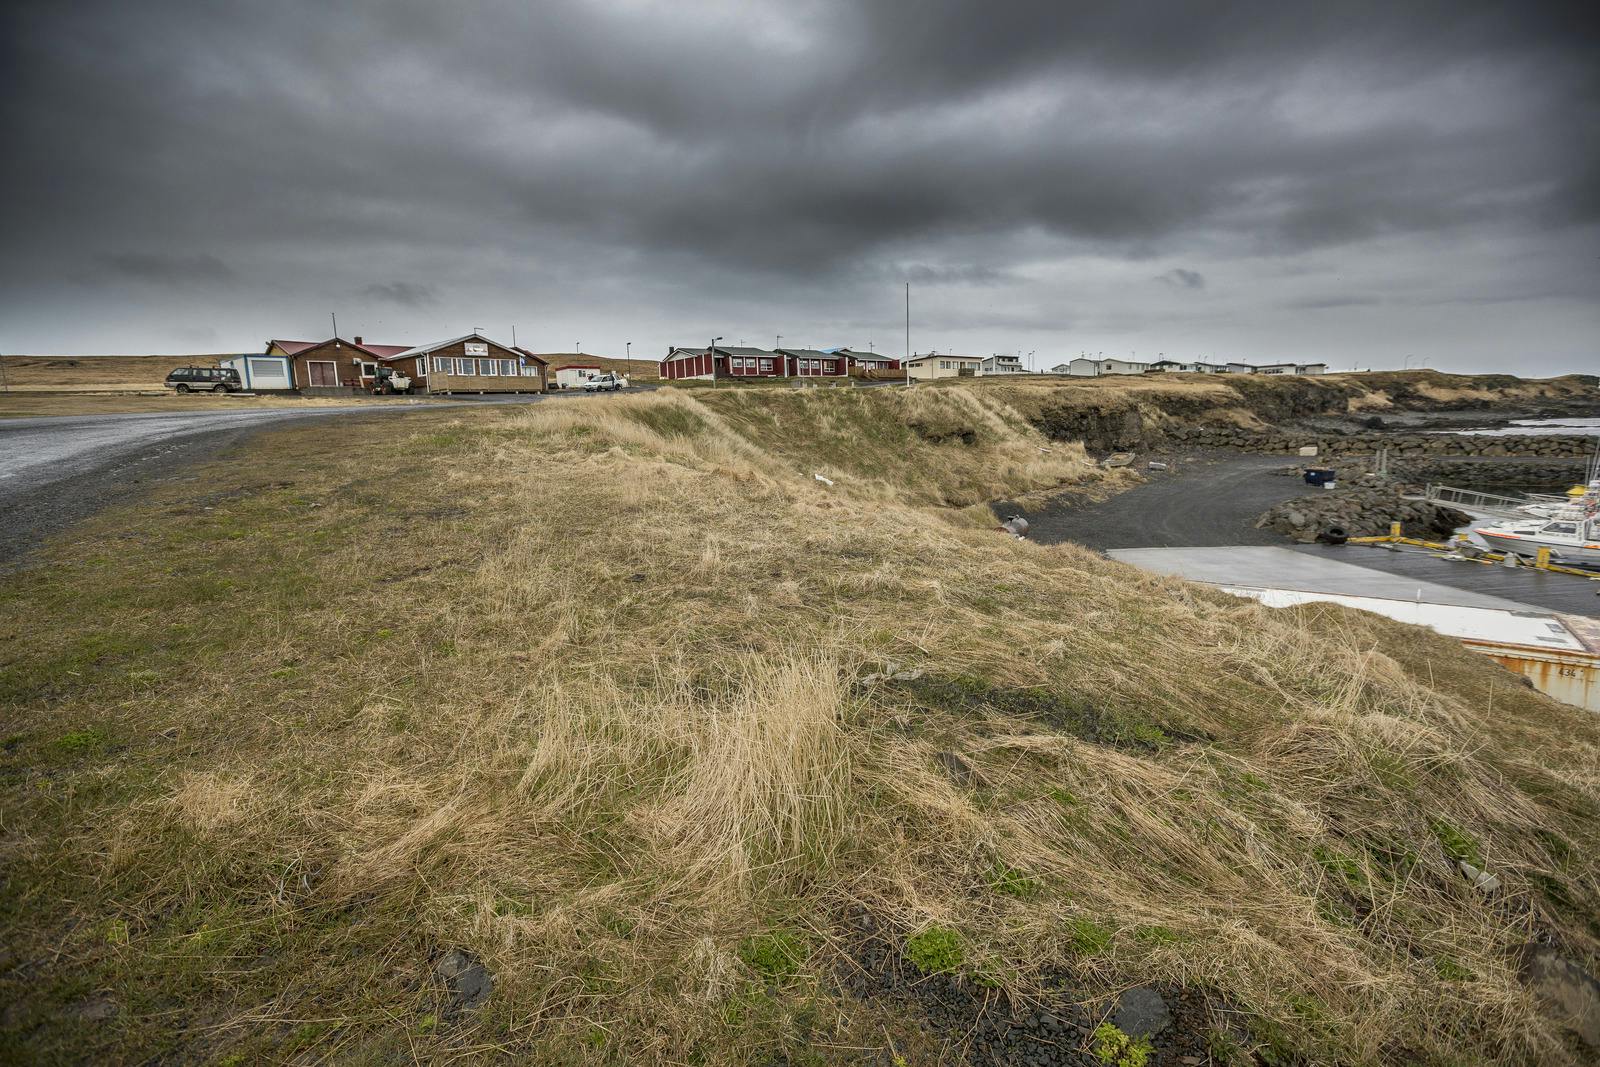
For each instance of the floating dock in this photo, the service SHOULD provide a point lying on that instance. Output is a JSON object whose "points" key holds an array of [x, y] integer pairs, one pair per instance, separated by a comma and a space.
{"points": [[1558, 652]]}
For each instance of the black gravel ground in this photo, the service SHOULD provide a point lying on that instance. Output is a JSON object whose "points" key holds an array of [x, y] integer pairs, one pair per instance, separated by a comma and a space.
{"points": [[1199, 501]]}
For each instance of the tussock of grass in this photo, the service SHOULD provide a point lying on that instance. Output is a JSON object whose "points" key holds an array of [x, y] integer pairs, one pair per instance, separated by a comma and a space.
{"points": [[582, 694]]}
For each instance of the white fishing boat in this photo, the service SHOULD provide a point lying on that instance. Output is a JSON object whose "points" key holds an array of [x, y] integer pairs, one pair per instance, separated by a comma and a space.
{"points": [[1571, 532]]}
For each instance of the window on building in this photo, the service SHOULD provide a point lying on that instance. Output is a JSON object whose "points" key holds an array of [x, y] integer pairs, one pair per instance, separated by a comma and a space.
{"points": [[466, 366], [422, 366], [489, 368], [368, 370], [766, 365], [508, 367], [530, 370]]}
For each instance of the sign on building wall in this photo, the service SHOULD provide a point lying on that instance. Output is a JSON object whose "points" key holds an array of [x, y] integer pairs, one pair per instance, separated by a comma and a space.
{"points": [[477, 348]]}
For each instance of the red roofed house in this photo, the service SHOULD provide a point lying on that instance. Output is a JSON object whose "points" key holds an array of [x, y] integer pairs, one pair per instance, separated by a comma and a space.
{"points": [[335, 364], [470, 364]]}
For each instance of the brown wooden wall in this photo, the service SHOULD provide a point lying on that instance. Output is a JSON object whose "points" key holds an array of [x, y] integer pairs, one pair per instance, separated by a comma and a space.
{"points": [[442, 378]]}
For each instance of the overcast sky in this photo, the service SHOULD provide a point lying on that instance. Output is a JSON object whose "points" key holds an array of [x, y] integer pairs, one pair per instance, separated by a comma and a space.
{"points": [[1349, 182]]}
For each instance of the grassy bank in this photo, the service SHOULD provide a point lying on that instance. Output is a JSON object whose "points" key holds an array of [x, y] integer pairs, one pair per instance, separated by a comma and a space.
{"points": [[1133, 411], [620, 700]]}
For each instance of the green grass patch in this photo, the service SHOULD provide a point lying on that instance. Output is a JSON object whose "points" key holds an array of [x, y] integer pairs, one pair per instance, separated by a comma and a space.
{"points": [[1088, 937], [1116, 1049], [775, 956], [1013, 882], [936, 950], [1456, 843]]}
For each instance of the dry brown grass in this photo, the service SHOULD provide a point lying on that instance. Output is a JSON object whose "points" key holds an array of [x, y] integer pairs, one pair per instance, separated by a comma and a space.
{"points": [[601, 715]]}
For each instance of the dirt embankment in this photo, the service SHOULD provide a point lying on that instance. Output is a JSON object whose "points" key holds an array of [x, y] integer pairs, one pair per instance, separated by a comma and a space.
{"points": [[1141, 413]]}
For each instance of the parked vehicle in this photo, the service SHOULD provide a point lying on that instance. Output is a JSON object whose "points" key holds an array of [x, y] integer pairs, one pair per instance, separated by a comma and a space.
{"points": [[389, 381], [603, 383], [204, 380]]}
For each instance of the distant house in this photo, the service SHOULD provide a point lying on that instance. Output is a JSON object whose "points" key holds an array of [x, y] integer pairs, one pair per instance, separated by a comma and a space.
{"points": [[471, 363], [814, 363], [870, 362], [1239, 368], [1061, 368], [942, 365], [1084, 367], [1275, 368], [722, 363], [335, 364], [1311, 368], [575, 374], [1003, 364]]}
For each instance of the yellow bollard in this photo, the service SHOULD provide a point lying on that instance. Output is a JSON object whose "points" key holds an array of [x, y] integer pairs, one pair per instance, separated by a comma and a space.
{"points": [[1542, 559], [1394, 530]]}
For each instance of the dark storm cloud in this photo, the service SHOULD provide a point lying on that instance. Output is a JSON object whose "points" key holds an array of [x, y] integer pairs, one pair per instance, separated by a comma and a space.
{"points": [[163, 269], [685, 163], [1180, 278], [406, 294]]}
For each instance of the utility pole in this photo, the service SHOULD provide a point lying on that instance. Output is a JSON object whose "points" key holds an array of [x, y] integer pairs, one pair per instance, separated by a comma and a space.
{"points": [[630, 351], [777, 341], [908, 333], [335, 319], [713, 353]]}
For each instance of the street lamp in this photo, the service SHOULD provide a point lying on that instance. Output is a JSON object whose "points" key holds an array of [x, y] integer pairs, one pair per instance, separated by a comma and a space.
{"points": [[712, 352], [630, 351]]}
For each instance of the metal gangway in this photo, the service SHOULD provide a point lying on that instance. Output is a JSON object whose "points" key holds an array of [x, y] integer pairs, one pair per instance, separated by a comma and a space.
{"points": [[1480, 504]]}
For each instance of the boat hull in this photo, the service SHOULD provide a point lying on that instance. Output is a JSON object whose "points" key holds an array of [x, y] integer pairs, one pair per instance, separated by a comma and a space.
{"points": [[1521, 544]]}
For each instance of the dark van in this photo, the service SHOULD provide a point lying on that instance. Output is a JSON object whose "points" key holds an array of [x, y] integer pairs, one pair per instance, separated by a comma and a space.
{"points": [[204, 380]]}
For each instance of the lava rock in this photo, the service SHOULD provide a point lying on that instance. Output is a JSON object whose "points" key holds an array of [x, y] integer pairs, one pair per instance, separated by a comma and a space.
{"points": [[1571, 993], [1141, 1012], [468, 980]]}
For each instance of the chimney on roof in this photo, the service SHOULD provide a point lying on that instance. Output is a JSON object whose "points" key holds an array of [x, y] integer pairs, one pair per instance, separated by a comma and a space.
{"points": [[358, 338]]}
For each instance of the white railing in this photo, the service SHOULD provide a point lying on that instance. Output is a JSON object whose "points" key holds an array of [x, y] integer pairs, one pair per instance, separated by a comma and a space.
{"points": [[1474, 500]]}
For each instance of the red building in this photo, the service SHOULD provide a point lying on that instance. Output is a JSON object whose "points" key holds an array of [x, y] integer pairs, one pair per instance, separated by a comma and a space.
{"points": [[721, 363], [810, 363], [754, 363]]}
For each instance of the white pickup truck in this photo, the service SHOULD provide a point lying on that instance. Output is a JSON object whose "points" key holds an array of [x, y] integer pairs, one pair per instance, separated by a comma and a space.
{"points": [[604, 383]]}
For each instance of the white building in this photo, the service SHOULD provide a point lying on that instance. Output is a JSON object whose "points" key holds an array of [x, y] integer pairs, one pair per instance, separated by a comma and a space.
{"points": [[1084, 367], [257, 373], [1003, 364], [573, 377], [943, 365]]}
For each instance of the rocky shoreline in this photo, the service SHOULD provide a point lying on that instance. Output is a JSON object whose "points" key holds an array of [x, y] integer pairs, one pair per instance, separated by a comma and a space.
{"points": [[1362, 511], [1574, 446]]}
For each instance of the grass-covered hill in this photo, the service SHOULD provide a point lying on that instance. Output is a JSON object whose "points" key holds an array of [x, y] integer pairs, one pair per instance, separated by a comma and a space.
{"points": [[604, 732]]}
